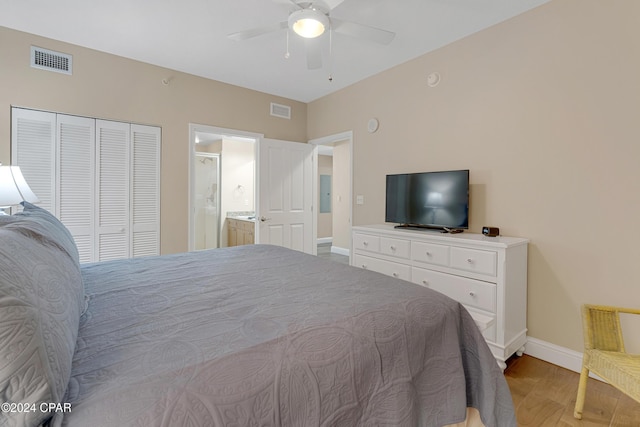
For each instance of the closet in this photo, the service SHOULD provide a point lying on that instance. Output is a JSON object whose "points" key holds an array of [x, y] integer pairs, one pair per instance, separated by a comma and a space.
{"points": [[100, 178]]}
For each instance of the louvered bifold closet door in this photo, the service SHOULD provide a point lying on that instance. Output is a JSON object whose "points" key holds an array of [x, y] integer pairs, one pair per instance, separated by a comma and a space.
{"points": [[33, 148], [145, 190], [75, 180], [112, 190]]}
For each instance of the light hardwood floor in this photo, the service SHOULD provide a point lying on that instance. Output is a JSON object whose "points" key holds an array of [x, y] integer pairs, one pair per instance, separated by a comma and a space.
{"points": [[545, 394]]}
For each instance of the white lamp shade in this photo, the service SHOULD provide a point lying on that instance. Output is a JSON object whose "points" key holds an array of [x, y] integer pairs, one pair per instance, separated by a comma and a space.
{"points": [[14, 188], [308, 23]]}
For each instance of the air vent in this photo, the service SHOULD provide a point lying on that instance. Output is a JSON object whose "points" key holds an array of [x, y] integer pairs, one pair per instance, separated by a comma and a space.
{"points": [[282, 111], [45, 59]]}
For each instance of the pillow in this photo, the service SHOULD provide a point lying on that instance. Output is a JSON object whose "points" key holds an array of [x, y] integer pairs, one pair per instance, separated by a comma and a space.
{"points": [[41, 224], [41, 297]]}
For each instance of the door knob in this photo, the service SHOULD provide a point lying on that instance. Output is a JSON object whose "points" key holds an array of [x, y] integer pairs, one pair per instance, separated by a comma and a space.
{"points": [[263, 219]]}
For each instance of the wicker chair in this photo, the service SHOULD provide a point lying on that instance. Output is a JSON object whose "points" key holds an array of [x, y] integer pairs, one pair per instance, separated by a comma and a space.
{"points": [[604, 353]]}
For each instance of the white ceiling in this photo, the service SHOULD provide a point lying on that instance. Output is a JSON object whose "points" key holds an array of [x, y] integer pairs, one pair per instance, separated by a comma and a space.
{"points": [[191, 35]]}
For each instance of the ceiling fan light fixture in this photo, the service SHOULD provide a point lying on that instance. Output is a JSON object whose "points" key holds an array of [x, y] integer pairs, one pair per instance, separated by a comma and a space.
{"points": [[308, 23]]}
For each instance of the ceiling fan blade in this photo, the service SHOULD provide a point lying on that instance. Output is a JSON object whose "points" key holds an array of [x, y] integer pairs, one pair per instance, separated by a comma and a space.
{"points": [[361, 31], [248, 34], [289, 3], [314, 53]]}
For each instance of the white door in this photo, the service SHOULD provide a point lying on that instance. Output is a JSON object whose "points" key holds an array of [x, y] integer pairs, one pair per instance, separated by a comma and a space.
{"points": [[33, 148], [100, 178], [285, 196], [145, 190], [75, 180], [112, 190]]}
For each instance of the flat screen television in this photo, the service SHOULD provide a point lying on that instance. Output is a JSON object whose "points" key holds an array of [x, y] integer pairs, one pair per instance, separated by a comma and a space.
{"points": [[438, 200]]}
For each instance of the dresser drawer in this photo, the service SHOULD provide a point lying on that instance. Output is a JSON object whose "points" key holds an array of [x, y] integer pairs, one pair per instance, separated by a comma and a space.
{"points": [[430, 253], [395, 247], [389, 268], [478, 261], [366, 242], [474, 293]]}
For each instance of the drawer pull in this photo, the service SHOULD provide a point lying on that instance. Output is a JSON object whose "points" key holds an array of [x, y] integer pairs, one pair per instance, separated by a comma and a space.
{"points": [[472, 294], [365, 243], [393, 248], [428, 253], [470, 260], [424, 282], [364, 266], [395, 274]]}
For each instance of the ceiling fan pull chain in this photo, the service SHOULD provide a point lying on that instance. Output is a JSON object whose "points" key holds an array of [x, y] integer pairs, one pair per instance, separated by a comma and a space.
{"points": [[287, 54], [330, 54]]}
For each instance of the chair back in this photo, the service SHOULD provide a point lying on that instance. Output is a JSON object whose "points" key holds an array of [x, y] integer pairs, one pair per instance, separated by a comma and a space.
{"points": [[601, 326]]}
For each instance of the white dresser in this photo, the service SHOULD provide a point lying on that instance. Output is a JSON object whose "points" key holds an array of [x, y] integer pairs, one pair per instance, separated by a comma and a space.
{"points": [[488, 275]]}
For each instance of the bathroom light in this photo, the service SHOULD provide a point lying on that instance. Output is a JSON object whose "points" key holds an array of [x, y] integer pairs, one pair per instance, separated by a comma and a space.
{"points": [[308, 23], [13, 188]]}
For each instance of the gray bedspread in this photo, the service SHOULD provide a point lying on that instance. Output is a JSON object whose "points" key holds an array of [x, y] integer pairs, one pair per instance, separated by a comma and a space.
{"points": [[263, 336]]}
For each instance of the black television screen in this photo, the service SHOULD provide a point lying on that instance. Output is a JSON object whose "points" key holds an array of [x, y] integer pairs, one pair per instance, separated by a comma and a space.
{"points": [[429, 199]]}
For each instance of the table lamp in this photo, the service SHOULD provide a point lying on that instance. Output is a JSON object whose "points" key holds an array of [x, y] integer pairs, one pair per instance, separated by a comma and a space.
{"points": [[13, 188]]}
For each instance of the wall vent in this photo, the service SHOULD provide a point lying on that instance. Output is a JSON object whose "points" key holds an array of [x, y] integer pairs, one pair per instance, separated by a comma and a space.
{"points": [[279, 110], [45, 59]]}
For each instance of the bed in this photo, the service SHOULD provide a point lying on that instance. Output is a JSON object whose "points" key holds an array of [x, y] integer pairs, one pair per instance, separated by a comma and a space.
{"points": [[246, 336]]}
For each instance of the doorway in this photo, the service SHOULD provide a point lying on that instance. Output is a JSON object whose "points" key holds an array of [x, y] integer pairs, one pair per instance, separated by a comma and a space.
{"points": [[334, 158], [231, 192]]}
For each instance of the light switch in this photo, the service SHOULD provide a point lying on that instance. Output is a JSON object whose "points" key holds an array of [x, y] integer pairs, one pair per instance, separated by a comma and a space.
{"points": [[359, 199]]}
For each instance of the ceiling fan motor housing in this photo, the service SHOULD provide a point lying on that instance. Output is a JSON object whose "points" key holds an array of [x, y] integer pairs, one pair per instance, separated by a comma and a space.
{"points": [[308, 23]]}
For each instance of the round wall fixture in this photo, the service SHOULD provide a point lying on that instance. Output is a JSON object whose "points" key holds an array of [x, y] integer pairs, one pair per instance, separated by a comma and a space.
{"points": [[372, 125], [433, 79]]}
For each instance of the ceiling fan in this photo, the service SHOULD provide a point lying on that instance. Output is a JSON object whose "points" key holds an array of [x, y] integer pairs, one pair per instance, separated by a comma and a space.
{"points": [[311, 19]]}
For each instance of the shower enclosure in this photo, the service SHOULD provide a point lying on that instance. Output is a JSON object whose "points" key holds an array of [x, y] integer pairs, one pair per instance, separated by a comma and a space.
{"points": [[207, 201]]}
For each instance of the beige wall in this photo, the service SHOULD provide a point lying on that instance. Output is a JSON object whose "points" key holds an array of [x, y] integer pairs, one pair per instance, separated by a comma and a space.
{"points": [[544, 109], [325, 220], [111, 87]]}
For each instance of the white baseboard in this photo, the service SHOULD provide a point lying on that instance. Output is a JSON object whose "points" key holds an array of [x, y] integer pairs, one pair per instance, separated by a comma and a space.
{"points": [[321, 240], [560, 356], [339, 251]]}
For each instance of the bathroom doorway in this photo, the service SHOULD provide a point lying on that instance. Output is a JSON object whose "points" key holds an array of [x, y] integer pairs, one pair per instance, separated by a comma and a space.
{"points": [[221, 183]]}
